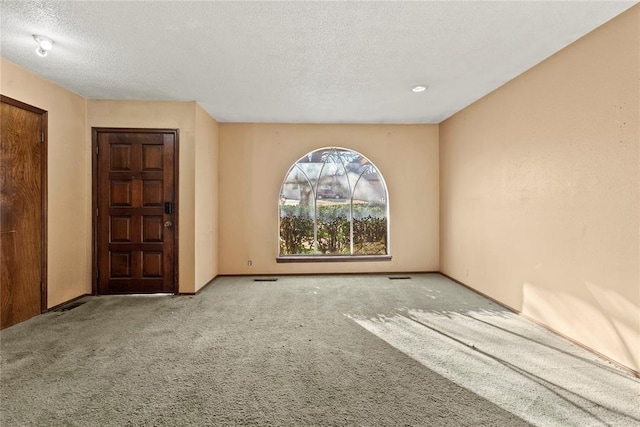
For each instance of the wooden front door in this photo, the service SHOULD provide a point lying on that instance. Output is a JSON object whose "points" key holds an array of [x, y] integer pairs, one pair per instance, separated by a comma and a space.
{"points": [[22, 216], [136, 210]]}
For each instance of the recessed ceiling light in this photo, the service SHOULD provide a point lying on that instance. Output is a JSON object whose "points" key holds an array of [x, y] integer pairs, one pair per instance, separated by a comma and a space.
{"points": [[45, 44], [419, 88]]}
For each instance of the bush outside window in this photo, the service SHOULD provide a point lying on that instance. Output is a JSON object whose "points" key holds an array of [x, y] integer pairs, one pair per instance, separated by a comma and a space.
{"points": [[333, 201]]}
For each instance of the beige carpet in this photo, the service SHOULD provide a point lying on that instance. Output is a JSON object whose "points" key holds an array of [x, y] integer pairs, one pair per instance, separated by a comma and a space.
{"points": [[324, 351]]}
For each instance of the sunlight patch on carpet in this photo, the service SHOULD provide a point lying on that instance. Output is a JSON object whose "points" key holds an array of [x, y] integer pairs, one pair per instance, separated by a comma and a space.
{"points": [[514, 364]]}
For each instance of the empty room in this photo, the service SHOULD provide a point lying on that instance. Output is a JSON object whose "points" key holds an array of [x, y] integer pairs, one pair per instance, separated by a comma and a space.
{"points": [[319, 213]]}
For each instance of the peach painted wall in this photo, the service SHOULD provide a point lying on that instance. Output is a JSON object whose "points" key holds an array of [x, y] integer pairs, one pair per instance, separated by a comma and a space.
{"points": [[206, 198], [198, 156], [540, 194], [254, 159], [68, 253], [172, 115]]}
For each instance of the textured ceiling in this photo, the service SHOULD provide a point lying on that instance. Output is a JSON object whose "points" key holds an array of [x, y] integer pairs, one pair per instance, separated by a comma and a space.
{"points": [[311, 62]]}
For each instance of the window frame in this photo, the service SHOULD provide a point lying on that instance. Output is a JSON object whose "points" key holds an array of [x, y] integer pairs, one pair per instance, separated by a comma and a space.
{"points": [[319, 257]]}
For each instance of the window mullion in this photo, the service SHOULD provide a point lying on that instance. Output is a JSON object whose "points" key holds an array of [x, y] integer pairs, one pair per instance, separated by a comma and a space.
{"points": [[351, 222], [315, 226], [346, 174], [314, 206], [315, 209], [352, 219]]}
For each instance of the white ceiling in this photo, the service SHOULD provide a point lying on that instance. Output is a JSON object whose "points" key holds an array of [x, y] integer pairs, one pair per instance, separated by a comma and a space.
{"points": [[309, 62]]}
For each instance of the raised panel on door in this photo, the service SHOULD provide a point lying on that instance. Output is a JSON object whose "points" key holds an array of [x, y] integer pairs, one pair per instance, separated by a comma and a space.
{"points": [[120, 229], [120, 157], [152, 193], [152, 229], [120, 264], [152, 158], [121, 192], [135, 234], [152, 264]]}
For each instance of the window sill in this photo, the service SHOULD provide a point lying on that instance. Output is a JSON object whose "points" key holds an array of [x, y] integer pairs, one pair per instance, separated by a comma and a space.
{"points": [[332, 258]]}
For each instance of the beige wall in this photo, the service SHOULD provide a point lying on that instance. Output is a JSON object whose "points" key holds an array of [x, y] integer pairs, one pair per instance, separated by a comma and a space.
{"points": [[198, 169], [540, 198], [172, 115], [71, 118], [68, 253], [206, 198], [254, 159]]}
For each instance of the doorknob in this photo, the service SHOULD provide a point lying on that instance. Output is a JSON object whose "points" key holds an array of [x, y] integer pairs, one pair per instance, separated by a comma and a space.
{"points": [[168, 224]]}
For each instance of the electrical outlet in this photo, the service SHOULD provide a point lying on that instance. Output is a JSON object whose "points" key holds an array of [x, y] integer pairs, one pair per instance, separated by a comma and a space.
{"points": [[249, 263]]}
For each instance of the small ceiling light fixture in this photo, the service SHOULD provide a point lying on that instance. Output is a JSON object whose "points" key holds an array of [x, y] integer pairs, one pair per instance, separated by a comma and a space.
{"points": [[419, 88], [45, 44]]}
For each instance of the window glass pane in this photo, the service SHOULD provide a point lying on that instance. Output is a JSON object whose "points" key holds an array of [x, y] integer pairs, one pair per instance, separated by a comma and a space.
{"points": [[369, 187], [332, 182], [332, 207], [369, 214], [334, 228], [312, 165], [296, 215]]}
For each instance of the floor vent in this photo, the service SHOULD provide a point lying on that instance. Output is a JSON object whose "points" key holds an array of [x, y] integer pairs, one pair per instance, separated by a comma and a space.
{"points": [[266, 279], [70, 306], [399, 277]]}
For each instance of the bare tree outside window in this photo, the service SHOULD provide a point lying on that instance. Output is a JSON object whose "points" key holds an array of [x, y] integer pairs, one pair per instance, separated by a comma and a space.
{"points": [[333, 201]]}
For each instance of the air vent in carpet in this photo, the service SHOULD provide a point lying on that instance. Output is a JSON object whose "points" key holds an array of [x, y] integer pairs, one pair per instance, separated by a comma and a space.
{"points": [[70, 306], [399, 277], [266, 279]]}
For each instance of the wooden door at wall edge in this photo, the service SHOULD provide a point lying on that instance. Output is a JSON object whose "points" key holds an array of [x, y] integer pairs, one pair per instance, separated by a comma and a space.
{"points": [[23, 197], [135, 198]]}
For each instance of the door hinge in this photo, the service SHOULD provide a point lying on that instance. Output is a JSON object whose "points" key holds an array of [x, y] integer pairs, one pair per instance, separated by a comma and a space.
{"points": [[97, 150], [97, 210], [41, 137]]}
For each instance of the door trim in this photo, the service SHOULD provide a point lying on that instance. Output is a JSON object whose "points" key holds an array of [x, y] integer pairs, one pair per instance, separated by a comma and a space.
{"points": [[94, 199], [44, 129]]}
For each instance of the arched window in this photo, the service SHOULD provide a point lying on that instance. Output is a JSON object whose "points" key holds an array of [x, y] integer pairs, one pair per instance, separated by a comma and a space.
{"points": [[333, 202]]}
